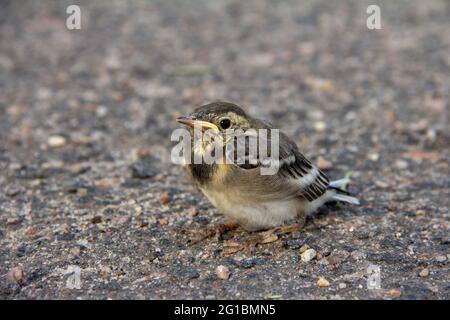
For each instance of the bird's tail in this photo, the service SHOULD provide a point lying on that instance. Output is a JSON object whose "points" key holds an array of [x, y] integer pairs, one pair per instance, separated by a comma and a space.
{"points": [[341, 194], [345, 198]]}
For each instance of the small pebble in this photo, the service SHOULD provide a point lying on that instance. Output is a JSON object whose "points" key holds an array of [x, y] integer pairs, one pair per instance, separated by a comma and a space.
{"points": [[395, 293], [16, 275], [434, 289], [76, 251], [163, 221], [323, 164], [143, 223], [424, 272], [12, 221], [56, 141], [401, 164], [222, 272], [381, 184], [322, 283], [122, 220], [320, 126], [96, 219], [420, 213], [247, 264], [105, 270], [323, 262], [342, 285], [142, 153], [303, 248], [441, 258], [11, 191], [82, 192], [316, 114], [101, 111], [308, 255], [338, 256], [30, 231], [143, 170], [193, 211], [164, 199], [373, 156], [358, 255], [15, 166]]}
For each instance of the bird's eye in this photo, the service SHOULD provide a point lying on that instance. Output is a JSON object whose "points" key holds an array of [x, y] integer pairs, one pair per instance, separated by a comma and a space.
{"points": [[225, 123]]}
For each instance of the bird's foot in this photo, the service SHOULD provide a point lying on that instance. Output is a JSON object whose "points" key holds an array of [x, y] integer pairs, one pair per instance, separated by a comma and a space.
{"points": [[198, 235], [268, 236]]}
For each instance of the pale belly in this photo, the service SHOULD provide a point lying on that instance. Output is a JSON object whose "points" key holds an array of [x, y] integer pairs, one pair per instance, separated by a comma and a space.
{"points": [[254, 216]]}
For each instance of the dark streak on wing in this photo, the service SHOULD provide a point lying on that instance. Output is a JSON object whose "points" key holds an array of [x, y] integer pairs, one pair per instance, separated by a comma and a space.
{"points": [[294, 166], [298, 169]]}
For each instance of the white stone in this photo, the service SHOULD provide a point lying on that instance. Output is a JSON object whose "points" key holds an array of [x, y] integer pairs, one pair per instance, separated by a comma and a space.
{"points": [[222, 272], [56, 141], [308, 255]]}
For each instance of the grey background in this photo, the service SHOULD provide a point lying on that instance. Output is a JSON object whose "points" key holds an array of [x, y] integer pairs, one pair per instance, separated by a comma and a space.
{"points": [[109, 200]]}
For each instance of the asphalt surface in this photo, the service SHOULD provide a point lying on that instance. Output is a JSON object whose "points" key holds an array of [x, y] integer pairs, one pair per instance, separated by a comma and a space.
{"points": [[86, 115]]}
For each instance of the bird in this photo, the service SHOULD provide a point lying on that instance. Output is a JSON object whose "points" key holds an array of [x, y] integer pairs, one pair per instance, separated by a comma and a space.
{"points": [[255, 201]]}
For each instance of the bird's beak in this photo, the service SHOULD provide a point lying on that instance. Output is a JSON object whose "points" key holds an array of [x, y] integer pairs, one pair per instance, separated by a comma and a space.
{"points": [[192, 122]]}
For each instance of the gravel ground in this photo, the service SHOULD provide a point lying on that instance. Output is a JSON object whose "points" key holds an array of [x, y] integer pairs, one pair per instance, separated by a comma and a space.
{"points": [[85, 123]]}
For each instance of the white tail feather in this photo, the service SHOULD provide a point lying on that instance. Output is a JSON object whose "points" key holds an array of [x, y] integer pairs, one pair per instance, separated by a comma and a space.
{"points": [[345, 198], [339, 183]]}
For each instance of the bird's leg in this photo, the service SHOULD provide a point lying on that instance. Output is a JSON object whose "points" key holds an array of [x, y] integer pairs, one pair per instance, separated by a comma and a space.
{"points": [[263, 237], [220, 229], [289, 228]]}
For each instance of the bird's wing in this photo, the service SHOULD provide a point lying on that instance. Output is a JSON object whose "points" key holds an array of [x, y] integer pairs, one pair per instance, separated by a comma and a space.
{"points": [[296, 175], [300, 172]]}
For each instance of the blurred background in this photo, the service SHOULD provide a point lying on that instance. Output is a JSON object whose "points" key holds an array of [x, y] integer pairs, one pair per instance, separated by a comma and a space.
{"points": [[134, 65], [86, 117]]}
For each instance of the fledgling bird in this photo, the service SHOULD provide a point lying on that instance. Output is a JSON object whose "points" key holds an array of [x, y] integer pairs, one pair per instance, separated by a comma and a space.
{"points": [[258, 201]]}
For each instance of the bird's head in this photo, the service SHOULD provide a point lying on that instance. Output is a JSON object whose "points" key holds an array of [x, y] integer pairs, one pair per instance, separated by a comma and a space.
{"points": [[219, 116]]}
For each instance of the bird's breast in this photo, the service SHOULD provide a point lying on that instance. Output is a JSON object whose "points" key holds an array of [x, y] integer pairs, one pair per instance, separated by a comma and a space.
{"points": [[251, 213]]}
